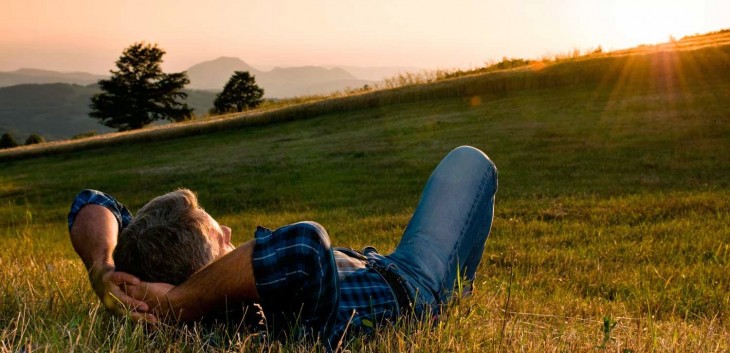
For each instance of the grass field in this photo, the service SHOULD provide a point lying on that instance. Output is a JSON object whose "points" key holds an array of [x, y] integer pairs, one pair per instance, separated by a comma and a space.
{"points": [[611, 231]]}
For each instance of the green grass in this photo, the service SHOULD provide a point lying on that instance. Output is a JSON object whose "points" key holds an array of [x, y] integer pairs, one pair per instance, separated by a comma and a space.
{"points": [[612, 208], [622, 74]]}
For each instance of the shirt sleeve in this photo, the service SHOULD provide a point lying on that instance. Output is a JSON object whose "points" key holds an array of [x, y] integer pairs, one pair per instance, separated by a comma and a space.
{"points": [[296, 275], [95, 197]]}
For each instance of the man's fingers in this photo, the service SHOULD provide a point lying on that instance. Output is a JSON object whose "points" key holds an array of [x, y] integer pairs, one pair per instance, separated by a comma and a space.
{"points": [[121, 303], [112, 303], [143, 317], [129, 302], [123, 277], [138, 292]]}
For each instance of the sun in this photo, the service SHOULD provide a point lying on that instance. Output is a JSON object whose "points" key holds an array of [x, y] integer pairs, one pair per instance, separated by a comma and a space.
{"points": [[650, 21]]}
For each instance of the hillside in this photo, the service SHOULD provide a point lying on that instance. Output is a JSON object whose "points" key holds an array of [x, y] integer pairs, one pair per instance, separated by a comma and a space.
{"points": [[55, 104], [59, 110], [644, 70], [692, 42], [676, 91], [37, 76], [611, 221], [52, 110]]}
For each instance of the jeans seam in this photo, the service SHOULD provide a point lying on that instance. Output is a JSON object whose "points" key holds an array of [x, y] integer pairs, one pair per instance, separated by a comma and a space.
{"points": [[454, 252]]}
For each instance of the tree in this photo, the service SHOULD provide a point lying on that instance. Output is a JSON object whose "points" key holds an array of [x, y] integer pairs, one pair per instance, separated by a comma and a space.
{"points": [[34, 139], [139, 93], [240, 93], [7, 140]]}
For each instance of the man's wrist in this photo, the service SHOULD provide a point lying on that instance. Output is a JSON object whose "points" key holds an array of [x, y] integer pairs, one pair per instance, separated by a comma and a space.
{"points": [[100, 267], [96, 276], [171, 305]]}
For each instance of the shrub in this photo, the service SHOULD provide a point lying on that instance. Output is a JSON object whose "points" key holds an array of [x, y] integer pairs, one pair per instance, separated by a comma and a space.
{"points": [[34, 139], [8, 141]]}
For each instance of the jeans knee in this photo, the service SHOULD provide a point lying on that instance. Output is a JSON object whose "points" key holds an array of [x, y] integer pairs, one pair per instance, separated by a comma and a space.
{"points": [[471, 156]]}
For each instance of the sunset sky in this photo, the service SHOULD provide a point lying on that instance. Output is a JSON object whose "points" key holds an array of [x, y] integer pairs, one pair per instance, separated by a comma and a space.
{"points": [[89, 35]]}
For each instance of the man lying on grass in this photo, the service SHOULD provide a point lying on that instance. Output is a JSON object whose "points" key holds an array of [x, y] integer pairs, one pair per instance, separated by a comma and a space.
{"points": [[177, 263]]}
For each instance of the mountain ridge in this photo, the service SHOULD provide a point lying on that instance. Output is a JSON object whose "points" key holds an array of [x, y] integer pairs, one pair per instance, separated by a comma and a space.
{"points": [[279, 82], [211, 75], [42, 76]]}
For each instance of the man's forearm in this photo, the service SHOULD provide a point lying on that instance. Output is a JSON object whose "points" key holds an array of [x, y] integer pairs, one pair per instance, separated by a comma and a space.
{"points": [[94, 232], [94, 236], [229, 281]]}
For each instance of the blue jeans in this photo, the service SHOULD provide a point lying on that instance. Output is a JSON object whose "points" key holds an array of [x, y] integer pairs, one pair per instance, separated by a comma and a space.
{"points": [[446, 235]]}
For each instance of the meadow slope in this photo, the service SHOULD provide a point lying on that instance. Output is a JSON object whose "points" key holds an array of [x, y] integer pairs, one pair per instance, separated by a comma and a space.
{"points": [[611, 231]]}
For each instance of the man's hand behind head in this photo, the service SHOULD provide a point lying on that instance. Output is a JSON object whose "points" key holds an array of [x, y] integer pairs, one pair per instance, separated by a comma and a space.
{"points": [[154, 295], [109, 287]]}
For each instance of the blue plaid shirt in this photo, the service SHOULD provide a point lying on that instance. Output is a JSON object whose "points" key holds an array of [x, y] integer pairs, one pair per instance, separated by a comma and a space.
{"points": [[356, 299]]}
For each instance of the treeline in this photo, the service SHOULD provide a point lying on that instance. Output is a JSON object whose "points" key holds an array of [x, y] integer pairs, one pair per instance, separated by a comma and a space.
{"points": [[136, 95], [139, 93], [7, 140]]}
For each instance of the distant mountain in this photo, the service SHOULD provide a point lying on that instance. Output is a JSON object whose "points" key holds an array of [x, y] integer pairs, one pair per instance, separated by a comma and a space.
{"points": [[60, 110], [56, 104], [306, 80], [280, 82], [277, 83], [378, 73], [313, 74], [28, 76], [213, 75]]}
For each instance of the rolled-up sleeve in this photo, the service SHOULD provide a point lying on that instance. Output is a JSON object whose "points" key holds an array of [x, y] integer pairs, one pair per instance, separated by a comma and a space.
{"points": [[296, 273], [95, 197]]}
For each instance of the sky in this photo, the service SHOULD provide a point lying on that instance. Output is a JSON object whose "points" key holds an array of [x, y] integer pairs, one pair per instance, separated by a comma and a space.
{"points": [[89, 35]]}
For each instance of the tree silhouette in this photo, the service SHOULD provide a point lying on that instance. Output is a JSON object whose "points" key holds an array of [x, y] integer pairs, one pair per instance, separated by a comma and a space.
{"points": [[7, 140], [139, 93], [34, 139], [240, 93]]}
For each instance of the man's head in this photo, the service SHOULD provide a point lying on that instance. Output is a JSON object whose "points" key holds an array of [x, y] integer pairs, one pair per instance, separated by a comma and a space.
{"points": [[170, 239]]}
